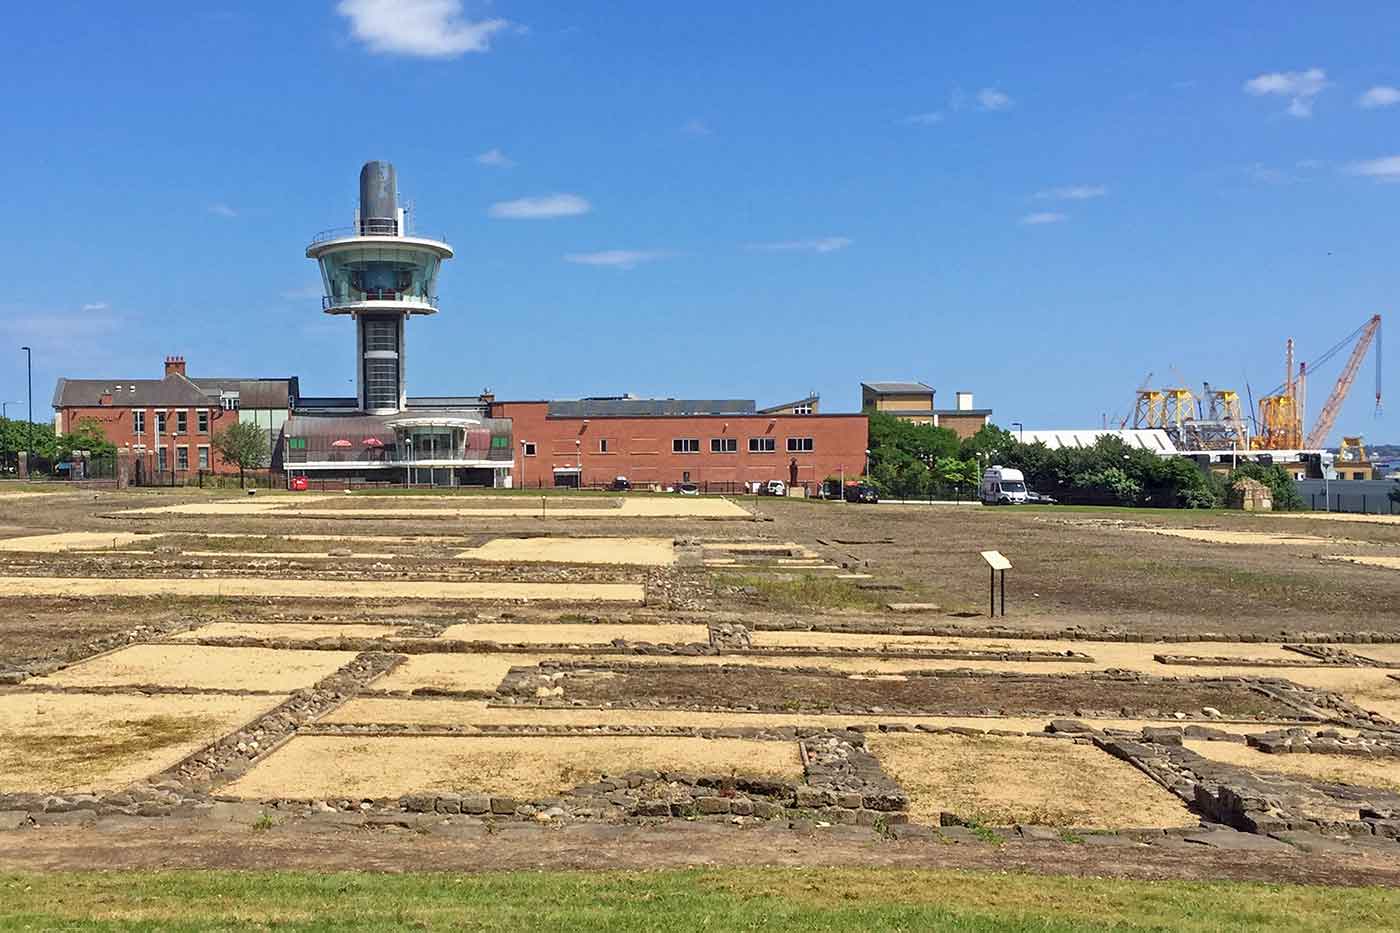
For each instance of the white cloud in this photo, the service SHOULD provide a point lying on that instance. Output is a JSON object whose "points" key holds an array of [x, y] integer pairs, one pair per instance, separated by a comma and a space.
{"points": [[828, 244], [424, 28], [1072, 193], [1386, 169], [989, 98], [696, 128], [1379, 96], [545, 207], [96, 306], [495, 158], [1043, 217], [1300, 87], [617, 258], [931, 118], [222, 210]]}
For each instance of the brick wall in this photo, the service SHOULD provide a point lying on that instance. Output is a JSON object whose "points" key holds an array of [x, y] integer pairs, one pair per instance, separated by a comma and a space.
{"points": [[118, 427], [642, 449], [964, 425]]}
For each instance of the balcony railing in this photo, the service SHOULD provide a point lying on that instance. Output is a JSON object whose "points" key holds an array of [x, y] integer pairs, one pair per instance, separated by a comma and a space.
{"points": [[383, 294], [385, 228]]}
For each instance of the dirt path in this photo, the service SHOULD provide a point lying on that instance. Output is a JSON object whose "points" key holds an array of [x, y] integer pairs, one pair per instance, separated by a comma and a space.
{"points": [[321, 589], [145, 844]]}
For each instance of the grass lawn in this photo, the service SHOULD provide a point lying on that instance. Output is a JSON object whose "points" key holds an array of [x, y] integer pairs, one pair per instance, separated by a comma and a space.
{"points": [[766, 899]]}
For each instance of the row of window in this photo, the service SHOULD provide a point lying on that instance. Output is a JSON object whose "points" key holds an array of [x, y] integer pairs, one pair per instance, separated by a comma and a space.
{"points": [[182, 457], [718, 445], [182, 421]]}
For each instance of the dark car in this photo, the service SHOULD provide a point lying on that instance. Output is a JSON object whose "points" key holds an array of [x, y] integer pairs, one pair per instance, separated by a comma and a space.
{"points": [[861, 494], [1039, 498], [621, 484]]}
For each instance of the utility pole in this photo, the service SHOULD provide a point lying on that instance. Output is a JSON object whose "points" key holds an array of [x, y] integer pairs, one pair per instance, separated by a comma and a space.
{"points": [[29, 429]]}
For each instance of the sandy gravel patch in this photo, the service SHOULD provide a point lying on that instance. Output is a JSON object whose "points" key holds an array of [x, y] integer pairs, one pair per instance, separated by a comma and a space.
{"points": [[1366, 560], [569, 633], [333, 766], [511, 507], [1380, 772], [76, 742], [73, 541], [294, 555], [647, 552], [282, 587], [999, 781], [1244, 537], [301, 631], [453, 671], [203, 667], [438, 711], [1334, 517]]}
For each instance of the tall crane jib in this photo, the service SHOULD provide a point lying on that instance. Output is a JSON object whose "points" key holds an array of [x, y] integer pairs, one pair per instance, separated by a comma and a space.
{"points": [[1363, 336]]}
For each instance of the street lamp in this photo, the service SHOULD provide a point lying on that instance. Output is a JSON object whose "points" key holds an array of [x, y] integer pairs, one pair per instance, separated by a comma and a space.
{"points": [[522, 463], [578, 460], [29, 430], [4, 409], [1020, 432]]}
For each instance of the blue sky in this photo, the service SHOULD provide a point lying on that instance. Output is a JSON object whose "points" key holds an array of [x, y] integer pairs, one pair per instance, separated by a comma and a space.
{"points": [[1037, 204]]}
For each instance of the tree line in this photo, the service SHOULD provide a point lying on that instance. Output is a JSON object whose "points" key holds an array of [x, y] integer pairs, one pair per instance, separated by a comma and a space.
{"points": [[915, 461]]}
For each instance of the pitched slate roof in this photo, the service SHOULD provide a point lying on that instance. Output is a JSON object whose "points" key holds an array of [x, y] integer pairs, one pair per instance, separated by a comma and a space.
{"points": [[910, 387], [174, 390]]}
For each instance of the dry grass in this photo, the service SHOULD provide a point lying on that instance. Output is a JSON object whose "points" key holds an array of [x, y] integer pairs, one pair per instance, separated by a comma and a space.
{"points": [[76, 742], [1381, 773], [566, 633], [647, 552], [301, 631], [1000, 781], [205, 668], [326, 766], [281, 587]]}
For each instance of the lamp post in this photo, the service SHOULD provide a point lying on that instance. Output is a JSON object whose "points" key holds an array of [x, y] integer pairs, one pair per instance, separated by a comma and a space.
{"points": [[4, 409], [1020, 432], [578, 461], [29, 429], [522, 464]]}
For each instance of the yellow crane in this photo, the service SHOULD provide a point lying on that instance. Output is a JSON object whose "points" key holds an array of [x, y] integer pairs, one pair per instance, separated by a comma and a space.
{"points": [[1282, 411]]}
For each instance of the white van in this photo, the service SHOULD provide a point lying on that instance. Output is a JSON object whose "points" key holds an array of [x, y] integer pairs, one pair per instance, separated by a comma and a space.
{"points": [[1003, 486]]}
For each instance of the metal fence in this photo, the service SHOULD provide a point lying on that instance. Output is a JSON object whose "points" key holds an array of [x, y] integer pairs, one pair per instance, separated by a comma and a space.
{"points": [[1370, 496]]}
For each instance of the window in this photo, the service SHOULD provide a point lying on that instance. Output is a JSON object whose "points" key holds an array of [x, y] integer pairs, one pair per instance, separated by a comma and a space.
{"points": [[162, 462], [724, 445], [685, 445], [160, 424], [296, 443], [228, 401], [203, 421], [138, 421], [797, 445], [762, 445], [182, 423], [204, 458], [182, 458], [602, 445], [804, 409], [529, 448]]}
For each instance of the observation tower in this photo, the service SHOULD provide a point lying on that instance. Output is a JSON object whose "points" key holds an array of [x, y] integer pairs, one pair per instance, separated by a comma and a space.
{"points": [[380, 274]]}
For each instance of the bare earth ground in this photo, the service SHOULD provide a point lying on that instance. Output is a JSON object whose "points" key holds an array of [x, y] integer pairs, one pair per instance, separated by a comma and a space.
{"points": [[1379, 772], [1090, 571], [1004, 780], [326, 766]]}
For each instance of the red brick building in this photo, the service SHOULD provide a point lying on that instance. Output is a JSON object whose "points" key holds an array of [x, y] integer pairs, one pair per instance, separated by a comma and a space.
{"points": [[167, 424], [718, 445]]}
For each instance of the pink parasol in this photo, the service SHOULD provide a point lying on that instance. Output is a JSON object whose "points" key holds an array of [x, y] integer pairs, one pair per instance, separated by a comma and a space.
{"points": [[372, 442], [342, 442]]}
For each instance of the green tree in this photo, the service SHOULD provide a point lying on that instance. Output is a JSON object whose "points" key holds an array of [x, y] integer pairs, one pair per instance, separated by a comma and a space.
{"points": [[86, 435], [242, 443], [902, 454], [990, 445]]}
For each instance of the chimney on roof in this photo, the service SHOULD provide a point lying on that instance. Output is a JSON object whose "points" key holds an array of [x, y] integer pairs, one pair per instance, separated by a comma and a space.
{"points": [[964, 401], [173, 365], [488, 396], [105, 398]]}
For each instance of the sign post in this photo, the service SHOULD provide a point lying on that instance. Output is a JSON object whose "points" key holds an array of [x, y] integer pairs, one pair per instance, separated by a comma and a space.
{"points": [[996, 563]]}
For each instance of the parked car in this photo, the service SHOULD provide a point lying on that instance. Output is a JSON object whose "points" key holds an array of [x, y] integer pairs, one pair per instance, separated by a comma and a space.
{"points": [[1039, 498], [621, 484], [688, 489], [858, 492], [775, 487]]}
